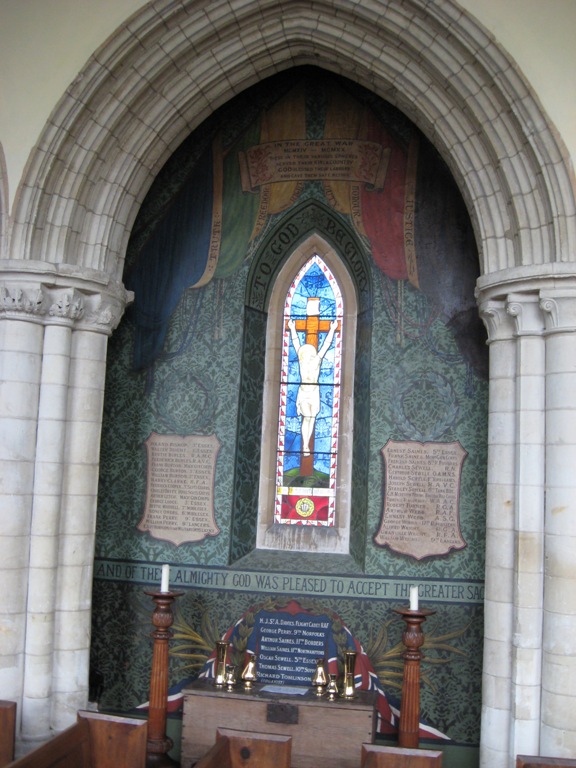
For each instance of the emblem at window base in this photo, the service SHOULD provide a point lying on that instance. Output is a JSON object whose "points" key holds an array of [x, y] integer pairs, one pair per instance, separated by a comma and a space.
{"points": [[305, 507]]}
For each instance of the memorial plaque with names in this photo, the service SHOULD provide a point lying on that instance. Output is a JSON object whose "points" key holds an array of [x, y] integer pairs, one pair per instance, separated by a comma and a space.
{"points": [[287, 646], [180, 487], [421, 516]]}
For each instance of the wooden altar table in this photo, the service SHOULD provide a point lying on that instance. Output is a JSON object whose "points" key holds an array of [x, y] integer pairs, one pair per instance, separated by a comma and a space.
{"points": [[320, 729]]}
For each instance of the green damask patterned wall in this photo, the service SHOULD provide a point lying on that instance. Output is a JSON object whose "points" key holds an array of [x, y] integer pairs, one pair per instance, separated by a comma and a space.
{"points": [[427, 383]]}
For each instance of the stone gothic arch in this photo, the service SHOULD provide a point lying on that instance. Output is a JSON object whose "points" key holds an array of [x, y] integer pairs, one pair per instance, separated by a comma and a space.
{"points": [[172, 64], [165, 71]]}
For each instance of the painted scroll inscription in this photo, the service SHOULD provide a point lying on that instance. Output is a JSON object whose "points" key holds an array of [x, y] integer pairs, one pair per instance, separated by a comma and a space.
{"points": [[421, 516], [297, 160], [180, 487]]}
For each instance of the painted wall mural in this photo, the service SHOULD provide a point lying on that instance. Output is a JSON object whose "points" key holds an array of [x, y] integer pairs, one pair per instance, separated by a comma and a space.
{"points": [[185, 376]]}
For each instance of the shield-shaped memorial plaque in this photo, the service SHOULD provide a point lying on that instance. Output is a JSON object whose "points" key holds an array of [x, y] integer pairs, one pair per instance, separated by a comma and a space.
{"points": [[180, 487], [421, 516]]}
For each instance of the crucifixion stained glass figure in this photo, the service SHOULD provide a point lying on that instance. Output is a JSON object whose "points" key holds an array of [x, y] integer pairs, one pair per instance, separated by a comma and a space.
{"points": [[309, 398]]}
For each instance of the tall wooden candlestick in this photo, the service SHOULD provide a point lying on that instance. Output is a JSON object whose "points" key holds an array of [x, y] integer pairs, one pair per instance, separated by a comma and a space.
{"points": [[413, 639], [159, 744]]}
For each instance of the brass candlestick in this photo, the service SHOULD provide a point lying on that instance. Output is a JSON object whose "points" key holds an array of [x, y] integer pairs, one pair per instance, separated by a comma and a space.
{"points": [[332, 687], [230, 676], [349, 690], [249, 673], [319, 679], [413, 639], [220, 663], [159, 744]]}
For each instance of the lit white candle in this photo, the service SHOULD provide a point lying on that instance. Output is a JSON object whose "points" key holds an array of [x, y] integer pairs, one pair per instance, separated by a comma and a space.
{"points": [[165, 578], [413, 598]]}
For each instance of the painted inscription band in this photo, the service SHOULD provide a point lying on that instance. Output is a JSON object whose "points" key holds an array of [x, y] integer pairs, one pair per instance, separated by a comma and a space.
{"points": [[282, 241], [300, 160], [194, 577]]}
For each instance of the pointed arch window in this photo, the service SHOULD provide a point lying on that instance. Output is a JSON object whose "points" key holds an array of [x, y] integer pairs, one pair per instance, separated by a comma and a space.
{"points": [[310, 396], [312, 254], [307, 439]]}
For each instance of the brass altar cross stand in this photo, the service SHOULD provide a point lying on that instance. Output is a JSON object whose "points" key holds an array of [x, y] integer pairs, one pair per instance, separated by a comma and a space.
{"points": [[159, 744], [413, 639]]}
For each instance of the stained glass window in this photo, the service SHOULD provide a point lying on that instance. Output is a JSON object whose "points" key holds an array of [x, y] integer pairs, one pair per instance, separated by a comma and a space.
{"points": [[311, 364]]}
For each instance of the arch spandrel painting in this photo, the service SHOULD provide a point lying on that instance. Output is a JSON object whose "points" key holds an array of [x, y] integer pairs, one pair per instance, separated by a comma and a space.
{"points": [[309, 409]]}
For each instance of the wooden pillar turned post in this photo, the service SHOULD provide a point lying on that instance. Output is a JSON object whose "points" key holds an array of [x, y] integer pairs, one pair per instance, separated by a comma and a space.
{"points": [[413, 639], [159, 744]]}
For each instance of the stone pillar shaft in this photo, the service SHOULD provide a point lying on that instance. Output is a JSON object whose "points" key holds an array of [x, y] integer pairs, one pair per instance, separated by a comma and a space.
{"points": [[529, 523], [529, 674], [21, 358], [44, 531], [558, 736], [77, 526], [54, 325], [500, 503]]}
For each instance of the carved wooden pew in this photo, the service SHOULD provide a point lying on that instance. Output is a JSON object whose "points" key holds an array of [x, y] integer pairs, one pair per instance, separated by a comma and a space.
{"points": [[94, 741], [236, 749], [374, 756], [7, 731], [526, 761]]}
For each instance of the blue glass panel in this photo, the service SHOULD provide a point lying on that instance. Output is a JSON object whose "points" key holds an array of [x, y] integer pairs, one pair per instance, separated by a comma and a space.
{"points": [[314, 284], [311, 350]]}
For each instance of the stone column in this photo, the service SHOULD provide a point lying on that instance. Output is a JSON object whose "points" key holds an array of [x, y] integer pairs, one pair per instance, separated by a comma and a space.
{"points": [[21, 337], [529, 524], [54, 324], [77, 526], [530, 612], [558, 736], [45, 531], [500, 505]]}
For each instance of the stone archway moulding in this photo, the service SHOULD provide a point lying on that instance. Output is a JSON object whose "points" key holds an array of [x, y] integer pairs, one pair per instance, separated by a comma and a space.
{"points": [[173, 63]]}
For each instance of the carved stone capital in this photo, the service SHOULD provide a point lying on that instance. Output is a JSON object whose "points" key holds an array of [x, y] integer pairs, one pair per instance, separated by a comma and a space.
{"points": [[540, 299], [525, 309], [66, 304], [559, 308], [499, 324], [18, 300], [59, 295]]}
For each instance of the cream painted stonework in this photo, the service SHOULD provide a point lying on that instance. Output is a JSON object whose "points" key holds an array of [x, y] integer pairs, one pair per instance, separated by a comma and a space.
{"points": [[158, 76]]}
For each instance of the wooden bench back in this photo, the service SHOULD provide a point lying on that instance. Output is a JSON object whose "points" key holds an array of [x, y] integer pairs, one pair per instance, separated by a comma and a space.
{"points": [[237, 749], [94, 741], [374, 756], [7, 731], [70, 749], [116, 742], [526, 761]]}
